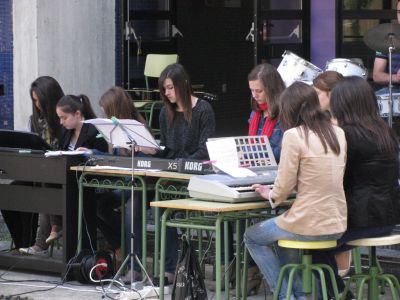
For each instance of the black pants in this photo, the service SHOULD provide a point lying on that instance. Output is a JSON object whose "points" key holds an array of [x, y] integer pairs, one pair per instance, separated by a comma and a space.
{"points": [[22, 227]]}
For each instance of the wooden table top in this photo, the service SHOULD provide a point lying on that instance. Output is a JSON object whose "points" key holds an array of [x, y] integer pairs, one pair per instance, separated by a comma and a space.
{"points": [[128, 172], [209, 206]]}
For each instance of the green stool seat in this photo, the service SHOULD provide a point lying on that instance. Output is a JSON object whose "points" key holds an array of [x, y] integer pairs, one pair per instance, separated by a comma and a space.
{"points": [[375, 276], [306, 267]]}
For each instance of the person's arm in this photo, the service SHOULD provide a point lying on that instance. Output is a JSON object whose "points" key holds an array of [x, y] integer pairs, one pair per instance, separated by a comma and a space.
{"points": [[163, 133], [286, 180], [207, 130], [379, 73]]}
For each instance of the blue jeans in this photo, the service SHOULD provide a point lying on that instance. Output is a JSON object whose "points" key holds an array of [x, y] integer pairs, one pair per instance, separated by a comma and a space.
{"points": [[261, 241]]}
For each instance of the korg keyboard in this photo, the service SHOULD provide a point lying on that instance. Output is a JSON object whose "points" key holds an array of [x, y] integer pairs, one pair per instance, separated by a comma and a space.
{"points": [[225, 188], [189, 166]]}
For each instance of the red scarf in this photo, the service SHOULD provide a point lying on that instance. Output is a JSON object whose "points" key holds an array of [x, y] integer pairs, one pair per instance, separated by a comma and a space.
{"points": [[269, 124]]}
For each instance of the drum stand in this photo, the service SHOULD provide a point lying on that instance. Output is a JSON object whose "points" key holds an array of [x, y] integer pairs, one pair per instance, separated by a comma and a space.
{"points": [[390, 100]]}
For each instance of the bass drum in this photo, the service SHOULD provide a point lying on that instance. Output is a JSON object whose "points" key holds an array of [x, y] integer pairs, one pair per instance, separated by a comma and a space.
{"points": [[347, 67], [294, 68]]}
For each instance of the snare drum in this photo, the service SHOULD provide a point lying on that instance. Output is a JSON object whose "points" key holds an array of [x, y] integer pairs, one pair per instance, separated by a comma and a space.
{"points": [[383, 104], [294, 68], [347, 67]]}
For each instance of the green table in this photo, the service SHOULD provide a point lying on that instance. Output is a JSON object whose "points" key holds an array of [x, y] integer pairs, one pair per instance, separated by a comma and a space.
{"points": [[92, 177], [218, 212], [100, 178]]}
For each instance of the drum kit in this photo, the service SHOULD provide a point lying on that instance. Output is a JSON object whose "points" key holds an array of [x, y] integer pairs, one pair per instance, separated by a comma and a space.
{"points": [[294, 68], [384, 38]]}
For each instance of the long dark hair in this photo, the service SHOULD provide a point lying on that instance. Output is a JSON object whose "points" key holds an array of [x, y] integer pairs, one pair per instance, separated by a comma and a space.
{"points": [[117, 102], [71, 104], [273, 86], [183, 91], [48, 91], [299, 106], [353, 103]]}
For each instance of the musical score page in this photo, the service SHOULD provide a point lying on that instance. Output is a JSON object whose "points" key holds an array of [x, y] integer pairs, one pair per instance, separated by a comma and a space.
{"points": [[224, 156]]}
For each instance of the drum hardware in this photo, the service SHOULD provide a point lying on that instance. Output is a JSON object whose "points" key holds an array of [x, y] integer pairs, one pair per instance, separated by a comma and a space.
{"points": [[385, 38]]}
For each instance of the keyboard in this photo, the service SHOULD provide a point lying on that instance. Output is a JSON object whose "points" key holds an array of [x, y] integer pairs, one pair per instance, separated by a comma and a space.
{"points": [[189, 166], [225, 188]]}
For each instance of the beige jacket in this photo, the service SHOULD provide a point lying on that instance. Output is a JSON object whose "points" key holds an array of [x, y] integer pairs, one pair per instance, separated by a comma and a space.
{"points": [[320, 205]]}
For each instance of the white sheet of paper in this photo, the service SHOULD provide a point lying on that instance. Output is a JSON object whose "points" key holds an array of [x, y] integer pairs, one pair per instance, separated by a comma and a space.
{"points": [[60, 153], [223, 155], [121, 134]]}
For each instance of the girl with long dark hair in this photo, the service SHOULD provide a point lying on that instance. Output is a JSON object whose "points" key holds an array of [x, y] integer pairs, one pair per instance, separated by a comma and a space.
{"points": [[186, 122], [372, 170], [45, 92], [312, 163], [71, 111]]}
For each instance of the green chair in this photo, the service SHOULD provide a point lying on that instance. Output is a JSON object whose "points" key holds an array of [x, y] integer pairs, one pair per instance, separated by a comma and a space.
{"points": [[306, 267], [154, 65], [375, 275]]}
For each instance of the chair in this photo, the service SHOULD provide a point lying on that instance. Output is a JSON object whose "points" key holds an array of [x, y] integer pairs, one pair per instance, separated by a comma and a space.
{"points": [[375, 276], [306, 267], [154, 65]]}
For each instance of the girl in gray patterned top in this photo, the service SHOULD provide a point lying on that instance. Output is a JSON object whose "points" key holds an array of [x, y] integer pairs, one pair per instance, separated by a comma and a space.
{"points": [[186, 122]]}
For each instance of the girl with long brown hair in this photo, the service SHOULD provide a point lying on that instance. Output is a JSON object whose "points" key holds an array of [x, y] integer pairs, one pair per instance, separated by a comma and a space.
{"points": [[266, 85], [312, 162]]}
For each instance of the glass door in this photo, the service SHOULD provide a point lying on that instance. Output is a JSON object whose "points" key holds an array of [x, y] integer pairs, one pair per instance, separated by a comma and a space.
{"points": [[148, 28], [281, 25], [355, 18]]}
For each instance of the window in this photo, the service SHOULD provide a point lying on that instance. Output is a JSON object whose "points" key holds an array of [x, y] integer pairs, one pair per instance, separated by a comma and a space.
{"points": [[355, 18]]}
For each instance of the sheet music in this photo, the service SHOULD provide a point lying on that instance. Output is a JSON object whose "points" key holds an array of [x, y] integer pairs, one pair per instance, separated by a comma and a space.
{"points": [[120, 132], [60, 153], [224, 156]]}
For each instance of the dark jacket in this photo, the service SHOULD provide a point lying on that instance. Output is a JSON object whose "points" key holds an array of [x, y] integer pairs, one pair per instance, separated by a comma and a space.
{"points": [[371, 184], [87, 138]]}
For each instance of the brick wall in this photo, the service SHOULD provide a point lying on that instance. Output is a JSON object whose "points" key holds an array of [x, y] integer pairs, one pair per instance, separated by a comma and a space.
{"points": [[6, 65]]}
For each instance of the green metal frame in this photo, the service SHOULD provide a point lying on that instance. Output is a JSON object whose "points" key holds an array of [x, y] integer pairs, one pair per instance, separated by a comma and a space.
{"points": [[117, 182], [165, 190], [374, 278], [308, 281], [211, 222]]}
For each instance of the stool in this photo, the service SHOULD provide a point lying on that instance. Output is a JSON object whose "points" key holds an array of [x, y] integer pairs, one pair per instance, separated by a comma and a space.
{"points": [[306, 266], [374, 275]]}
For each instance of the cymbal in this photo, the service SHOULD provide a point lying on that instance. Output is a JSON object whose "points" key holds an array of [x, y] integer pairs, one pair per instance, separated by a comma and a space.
{"points": [[382, 36]]}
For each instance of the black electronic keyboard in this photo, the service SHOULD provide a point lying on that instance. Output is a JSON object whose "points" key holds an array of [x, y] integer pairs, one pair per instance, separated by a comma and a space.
{"points": [[31, 182], [180, 165]]}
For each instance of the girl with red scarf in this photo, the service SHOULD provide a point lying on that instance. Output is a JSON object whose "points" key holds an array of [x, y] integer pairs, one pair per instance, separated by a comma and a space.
{"points": [[266, 85]]}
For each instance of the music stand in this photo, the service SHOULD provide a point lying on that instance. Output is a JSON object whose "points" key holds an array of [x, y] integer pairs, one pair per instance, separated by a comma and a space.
{"points": [[126, 133]]}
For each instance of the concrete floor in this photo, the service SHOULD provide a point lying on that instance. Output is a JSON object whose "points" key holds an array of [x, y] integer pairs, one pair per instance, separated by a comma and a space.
{"points": [[29, 285]]}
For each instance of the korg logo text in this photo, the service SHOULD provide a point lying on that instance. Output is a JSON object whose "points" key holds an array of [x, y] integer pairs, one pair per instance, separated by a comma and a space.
{"points": [[144, 164], [193, 166]]}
